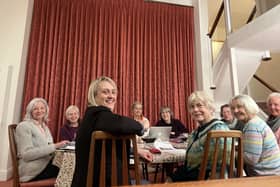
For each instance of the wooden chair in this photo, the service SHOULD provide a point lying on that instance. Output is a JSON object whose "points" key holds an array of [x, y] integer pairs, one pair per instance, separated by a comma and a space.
{"points": [[13, 150], [236, 155], [103, 137]]}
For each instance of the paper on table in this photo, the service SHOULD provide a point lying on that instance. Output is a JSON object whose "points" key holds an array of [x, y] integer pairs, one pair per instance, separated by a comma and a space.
{"points": [[68, 147], [164, 145]]}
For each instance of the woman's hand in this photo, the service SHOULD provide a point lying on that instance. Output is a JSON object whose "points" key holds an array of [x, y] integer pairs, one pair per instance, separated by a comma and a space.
{"points": [[145, 154], [61, 144]]}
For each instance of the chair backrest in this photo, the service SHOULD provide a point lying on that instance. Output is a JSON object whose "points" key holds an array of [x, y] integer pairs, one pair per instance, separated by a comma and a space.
{"points": [[13, 149], [235, 154], [103, 137]]}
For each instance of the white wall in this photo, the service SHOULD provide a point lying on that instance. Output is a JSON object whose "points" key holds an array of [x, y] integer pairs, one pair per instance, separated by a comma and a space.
{"points": [[203, 62], [15, 18]]}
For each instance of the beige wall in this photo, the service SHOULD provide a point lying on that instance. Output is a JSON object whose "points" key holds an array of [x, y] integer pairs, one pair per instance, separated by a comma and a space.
{"points": [[265, 5], [270, 72], [15, 17]]}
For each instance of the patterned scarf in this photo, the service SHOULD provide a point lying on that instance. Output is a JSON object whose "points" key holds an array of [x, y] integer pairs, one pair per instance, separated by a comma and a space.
{"points": [[273, 122]]}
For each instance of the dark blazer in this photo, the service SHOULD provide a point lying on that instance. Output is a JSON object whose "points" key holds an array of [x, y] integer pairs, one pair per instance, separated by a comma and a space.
{"points": [[99, 118]]}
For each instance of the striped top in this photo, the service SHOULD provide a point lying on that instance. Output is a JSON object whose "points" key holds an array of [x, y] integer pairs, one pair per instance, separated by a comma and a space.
{"points": [[261, 152]]}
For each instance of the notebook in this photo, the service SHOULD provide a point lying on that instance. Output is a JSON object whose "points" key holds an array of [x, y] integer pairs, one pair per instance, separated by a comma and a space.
{"points": [[161, 133]]}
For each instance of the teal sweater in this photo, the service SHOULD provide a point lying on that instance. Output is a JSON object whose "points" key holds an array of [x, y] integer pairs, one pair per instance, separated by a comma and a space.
{"points": [[195, 150]]}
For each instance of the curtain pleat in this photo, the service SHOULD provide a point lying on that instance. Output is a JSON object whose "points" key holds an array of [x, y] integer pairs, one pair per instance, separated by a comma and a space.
{"points": [[147, 48]]}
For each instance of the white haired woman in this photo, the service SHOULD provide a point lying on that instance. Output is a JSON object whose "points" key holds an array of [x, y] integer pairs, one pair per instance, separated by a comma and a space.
{"points": [[273, 105], [261, 152], [201, 108], [69, 129], [35, 143]]}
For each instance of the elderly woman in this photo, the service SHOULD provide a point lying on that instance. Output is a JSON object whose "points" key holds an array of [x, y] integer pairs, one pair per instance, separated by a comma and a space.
{"points": [[137, 112], [35, 143], [261, 152], [69, 130], [273, 105], [102, 97], [201, 108], [166, 119], [229, 119]]}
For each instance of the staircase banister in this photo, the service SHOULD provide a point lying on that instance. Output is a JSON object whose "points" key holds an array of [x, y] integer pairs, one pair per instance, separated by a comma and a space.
{"points": [[271, 88], [252, 14], [216, 21]]}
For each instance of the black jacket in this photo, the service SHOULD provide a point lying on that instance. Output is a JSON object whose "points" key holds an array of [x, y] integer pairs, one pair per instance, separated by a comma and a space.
{"points": [[99, 118]]}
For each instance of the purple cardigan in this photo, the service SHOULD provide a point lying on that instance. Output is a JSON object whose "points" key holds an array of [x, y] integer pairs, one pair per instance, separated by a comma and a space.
{"points": [[68, 133]]}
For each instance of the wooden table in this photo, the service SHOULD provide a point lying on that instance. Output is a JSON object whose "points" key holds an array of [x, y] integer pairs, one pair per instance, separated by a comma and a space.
{"points": [[267, 181], [65, 160]]}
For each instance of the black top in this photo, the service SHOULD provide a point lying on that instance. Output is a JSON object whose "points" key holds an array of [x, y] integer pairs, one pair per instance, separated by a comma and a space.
{"points": [[177, 126], [99, 118]]}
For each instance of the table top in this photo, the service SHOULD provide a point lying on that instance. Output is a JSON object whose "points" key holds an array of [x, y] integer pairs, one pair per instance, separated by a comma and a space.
{"points": [[174, 155], [265, 181]]}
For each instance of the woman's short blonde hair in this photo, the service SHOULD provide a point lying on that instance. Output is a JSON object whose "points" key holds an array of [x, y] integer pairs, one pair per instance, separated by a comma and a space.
{"points": [[133, 106], [200, 96], [92, 91], [30, 108], [247, 102], [72, 107]]}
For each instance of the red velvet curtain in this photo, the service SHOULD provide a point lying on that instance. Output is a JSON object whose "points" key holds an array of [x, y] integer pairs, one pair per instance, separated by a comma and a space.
{"points": [[147, 48]]}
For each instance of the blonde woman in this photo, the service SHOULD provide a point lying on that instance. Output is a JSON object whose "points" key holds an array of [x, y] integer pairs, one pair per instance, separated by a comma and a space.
{"points": [[69, 130], [137, 113], [102, 97], [35, 143]]}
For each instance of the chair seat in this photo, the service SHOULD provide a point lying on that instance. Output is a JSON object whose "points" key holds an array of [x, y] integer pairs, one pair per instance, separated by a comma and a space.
{"points": [[42, 183]]}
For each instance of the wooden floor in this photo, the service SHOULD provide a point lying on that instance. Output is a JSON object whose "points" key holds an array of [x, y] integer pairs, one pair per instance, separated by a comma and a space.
{"points": [[8, 183]]}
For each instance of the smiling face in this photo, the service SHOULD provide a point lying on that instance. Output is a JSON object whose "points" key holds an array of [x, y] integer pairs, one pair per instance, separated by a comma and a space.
{"points": [[166, 116], [239, 111], [137, 110], [72, 116], [106, 95], [200, 112], [274, 106], [226, 114], [39, 111]]}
